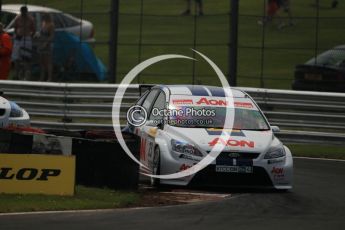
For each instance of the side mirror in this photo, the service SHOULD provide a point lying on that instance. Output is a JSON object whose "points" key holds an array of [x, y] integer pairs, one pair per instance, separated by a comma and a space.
{"points": [[150, 123], [275, 129]]}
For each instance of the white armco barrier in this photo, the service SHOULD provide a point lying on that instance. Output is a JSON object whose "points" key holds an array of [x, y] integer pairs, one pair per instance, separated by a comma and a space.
{"points": [[303, 116]]}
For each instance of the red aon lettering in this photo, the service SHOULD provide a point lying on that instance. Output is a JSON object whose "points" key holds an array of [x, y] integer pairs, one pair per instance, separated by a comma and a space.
{"points": [[231, 142], [212, 102]]}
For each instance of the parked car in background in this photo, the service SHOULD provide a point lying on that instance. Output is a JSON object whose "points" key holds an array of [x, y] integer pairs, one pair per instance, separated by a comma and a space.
{"points": [[326, 72], [63, 22]]}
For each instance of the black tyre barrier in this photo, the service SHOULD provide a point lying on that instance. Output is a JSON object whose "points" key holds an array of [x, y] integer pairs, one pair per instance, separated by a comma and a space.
{"points": [[18, 143], [105, 164], [99, 163]]}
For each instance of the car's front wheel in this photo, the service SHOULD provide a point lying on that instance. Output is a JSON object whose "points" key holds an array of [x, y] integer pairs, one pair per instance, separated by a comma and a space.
{"points": [[156, 167]]}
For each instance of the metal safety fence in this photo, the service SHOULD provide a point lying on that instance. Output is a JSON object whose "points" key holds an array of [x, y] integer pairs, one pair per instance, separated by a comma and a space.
{"points": [[302, 116]]}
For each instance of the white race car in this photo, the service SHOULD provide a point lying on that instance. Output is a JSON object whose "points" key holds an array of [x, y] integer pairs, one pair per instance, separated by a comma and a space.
{"points": [[12, 115], [183, 124]]}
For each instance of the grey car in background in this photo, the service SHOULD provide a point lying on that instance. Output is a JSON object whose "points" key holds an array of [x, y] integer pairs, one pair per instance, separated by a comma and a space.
{"points": [[326, 72], [63, 21]]}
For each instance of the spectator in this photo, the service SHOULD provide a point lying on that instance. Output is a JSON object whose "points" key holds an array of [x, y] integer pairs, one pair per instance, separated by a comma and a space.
{"points": [[285, 5], [5, 53], [45, 48], [24, 29], [334, 4], [189, 6], [272, 9]]}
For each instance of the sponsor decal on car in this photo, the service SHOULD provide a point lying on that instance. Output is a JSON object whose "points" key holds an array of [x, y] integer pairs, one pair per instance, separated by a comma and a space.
{"points": [[278, 173], [137, 131], [185, 167], [231, 132], [189, 157], [142, 148], [222, 102], [153, 131], [182, 101], [243, 104], [275, 161], [231, 142], [205, 101]]}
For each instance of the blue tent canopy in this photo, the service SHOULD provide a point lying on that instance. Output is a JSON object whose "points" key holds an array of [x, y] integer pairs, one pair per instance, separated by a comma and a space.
{"points": [[74, 55]]}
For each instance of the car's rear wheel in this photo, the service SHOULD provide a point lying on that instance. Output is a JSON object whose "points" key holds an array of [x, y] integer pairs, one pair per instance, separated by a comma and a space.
{"points": [[156, 167]]}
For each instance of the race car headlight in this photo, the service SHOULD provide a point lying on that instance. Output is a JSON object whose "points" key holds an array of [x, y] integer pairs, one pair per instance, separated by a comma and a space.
{"points": [[275, 152], [16, 111], [184, 147]]}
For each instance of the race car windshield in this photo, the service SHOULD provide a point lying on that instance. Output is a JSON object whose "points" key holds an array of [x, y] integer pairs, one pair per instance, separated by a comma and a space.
{"points": [[214, 117]]}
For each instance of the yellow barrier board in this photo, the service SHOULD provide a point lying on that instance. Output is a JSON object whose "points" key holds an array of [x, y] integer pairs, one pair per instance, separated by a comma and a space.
{"points": [[40, 174]]}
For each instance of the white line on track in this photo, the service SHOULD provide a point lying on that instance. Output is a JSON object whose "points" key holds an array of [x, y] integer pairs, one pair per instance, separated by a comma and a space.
{"points": [[220, 195], [52, 212]]}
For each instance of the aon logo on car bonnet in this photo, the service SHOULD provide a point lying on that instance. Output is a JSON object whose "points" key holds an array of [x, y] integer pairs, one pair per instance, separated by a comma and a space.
{"points": [[231, 142]]}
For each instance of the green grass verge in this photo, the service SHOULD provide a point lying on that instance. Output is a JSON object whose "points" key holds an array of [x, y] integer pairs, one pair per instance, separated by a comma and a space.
{"points": [[317, 151], [85, 198]]}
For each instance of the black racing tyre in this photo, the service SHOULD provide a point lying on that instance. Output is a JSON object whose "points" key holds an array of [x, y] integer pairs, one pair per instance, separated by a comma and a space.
{"points": [[156, 167]]}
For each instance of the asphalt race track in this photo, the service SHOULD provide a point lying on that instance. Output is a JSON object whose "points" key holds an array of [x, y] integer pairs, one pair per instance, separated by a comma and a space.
{"points": [[316, 202]]}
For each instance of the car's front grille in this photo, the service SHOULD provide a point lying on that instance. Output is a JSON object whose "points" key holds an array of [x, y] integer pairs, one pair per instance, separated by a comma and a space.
{"points": [[237, 155], [236, 158]]}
